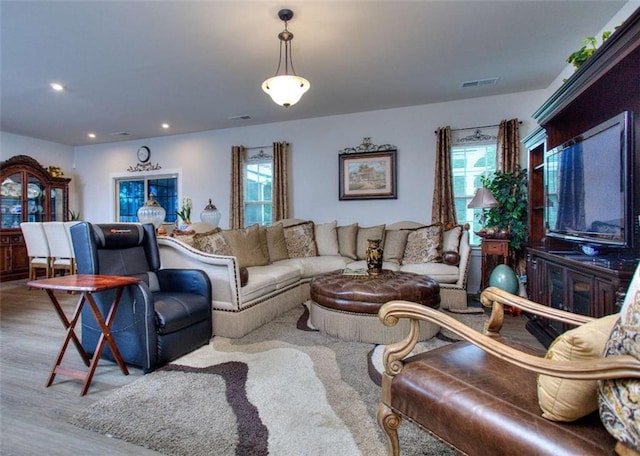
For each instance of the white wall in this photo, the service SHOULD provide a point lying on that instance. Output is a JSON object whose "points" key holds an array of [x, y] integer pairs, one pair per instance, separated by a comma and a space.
{"points": [[204, 158]]}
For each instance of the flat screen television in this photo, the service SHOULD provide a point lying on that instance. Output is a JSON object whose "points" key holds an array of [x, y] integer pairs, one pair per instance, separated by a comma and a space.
{"points": [[589, 186]]}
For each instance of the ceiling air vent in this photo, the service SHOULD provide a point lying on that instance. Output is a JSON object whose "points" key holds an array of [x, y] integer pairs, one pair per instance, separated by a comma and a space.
{"points": [[245, 117], [480, 82], [120, 133]]}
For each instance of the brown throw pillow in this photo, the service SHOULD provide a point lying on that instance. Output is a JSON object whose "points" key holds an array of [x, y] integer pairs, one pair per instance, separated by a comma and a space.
{"points": [[347, 237], [276, 244], [424, 245], [394, 244], [366, 233], [246, 245], [300, 240]]}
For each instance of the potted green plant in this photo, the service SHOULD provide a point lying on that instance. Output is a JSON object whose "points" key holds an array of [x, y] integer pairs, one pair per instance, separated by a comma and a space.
{"points": [[590, 43], [510, 190]]}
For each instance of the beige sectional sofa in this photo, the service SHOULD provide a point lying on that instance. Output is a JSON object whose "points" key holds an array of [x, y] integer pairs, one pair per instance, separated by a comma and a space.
{"points": [[281, 261]]}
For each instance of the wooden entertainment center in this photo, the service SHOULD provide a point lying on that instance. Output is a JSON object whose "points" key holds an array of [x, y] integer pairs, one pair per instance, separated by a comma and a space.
{"points": [[558, 275]]}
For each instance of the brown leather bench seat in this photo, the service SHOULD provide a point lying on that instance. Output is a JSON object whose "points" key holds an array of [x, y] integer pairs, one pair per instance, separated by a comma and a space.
{"points": [[481, 404]]}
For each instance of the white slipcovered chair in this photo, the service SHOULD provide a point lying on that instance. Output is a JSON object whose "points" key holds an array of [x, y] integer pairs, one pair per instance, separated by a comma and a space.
{"points": [[37, 248], [60, 250]]}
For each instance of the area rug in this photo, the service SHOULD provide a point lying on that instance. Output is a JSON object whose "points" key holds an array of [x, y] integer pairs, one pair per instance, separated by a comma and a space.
{"points": [[284, 389]]}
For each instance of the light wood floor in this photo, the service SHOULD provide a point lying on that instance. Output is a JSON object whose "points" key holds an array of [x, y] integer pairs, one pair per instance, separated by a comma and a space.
{"points": [[34, 419]]}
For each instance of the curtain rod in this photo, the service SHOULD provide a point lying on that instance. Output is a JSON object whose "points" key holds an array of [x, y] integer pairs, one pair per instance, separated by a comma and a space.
{"points": [[257, 147], [476, 128]]}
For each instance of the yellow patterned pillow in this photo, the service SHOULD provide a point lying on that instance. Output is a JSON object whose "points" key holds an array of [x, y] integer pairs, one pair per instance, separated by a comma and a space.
{"points": [[568, 400]]}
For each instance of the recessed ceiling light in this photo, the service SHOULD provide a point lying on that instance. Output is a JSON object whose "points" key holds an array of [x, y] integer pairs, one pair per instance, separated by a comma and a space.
{"points": [[57, 86], [165, 126], [92, 135]]}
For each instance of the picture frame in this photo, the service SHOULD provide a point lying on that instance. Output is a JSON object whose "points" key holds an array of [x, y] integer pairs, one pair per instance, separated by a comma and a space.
{"points": [[368, 175]]}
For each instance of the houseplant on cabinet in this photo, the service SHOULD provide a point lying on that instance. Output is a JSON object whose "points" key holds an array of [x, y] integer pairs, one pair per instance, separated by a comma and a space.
{"points": [[510, 190]]}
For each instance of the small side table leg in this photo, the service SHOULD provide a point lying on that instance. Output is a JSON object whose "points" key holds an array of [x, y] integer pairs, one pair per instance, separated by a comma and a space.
{"points": [[70, 334], [105, 327]]}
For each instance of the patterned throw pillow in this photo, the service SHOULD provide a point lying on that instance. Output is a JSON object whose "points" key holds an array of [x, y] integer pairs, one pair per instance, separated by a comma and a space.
{"points": [[211, 242], [424, 245], [619, 398], [300, 240]]}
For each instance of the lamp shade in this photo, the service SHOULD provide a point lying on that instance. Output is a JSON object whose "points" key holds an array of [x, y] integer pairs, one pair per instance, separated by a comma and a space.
{"points": [[151, 212], [286, 90], [210, 214], [483, 199]]}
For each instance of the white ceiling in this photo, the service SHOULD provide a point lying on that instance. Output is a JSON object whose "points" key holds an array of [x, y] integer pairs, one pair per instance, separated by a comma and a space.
{"points": [[129, 66]]}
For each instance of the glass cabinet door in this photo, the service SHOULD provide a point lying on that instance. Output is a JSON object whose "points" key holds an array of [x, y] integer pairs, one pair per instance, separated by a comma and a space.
{"points": [[35, 200], [11, 205], [57, 205]]}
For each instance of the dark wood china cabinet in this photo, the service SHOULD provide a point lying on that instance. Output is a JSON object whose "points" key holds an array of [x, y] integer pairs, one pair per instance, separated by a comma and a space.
{"points": [[558, 273], [29, 193]]}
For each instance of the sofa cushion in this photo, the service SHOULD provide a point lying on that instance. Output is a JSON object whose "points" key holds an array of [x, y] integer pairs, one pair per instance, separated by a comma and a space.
{"points": [[247, 246], [276, 244], [311, 266], [300, 240], [212, 242], [362, 239], [563, 399], [618, 399], [440, 272], [362, 264], [394, 243], [347, 240], [326, 235], [424, 245]]}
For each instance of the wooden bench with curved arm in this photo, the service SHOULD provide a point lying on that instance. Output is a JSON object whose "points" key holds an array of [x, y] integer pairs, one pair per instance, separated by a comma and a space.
{"points": [[424, 382]]}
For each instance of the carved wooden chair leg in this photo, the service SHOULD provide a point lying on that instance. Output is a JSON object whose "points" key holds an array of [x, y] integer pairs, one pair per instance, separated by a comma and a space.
{"points": [[389, 422]]}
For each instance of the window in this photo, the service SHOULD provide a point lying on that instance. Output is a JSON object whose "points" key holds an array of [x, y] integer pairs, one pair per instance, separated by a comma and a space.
{"points": [[469, 162], [258, 182], [131, 193]]}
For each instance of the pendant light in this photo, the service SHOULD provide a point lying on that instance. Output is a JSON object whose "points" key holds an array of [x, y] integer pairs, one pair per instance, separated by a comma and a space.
{"points": [[285, 89]]}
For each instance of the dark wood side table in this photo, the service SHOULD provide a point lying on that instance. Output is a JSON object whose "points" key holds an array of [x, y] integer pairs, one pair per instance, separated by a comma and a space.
{"points": [[498, 247], [86, 284]]}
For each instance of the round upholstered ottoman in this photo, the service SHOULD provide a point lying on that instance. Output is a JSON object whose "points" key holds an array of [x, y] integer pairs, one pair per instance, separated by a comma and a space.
{"points": [[346, 306]]}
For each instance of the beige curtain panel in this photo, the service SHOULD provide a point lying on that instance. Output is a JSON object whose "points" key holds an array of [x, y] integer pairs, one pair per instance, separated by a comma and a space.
{"points": [[443, 208], [280, 181], [508, 147], [236, 203]]}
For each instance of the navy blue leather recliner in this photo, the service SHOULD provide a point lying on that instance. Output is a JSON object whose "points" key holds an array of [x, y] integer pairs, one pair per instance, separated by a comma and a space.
{"points": [[164, 317]]}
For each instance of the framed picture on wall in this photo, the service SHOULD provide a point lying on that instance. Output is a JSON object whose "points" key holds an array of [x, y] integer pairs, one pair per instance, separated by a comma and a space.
{"points": [[368, 175]]}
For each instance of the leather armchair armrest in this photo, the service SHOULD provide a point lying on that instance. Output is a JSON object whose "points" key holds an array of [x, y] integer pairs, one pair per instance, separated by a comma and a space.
{"points": [[391, 312], [185, 280]]}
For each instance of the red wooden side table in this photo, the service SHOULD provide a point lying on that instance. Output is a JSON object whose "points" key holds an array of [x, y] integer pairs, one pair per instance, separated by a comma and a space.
{"points": [[86, 284]]}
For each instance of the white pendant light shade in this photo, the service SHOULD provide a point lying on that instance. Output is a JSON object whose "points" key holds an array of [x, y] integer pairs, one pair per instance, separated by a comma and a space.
{"points": [[286, 90]]}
